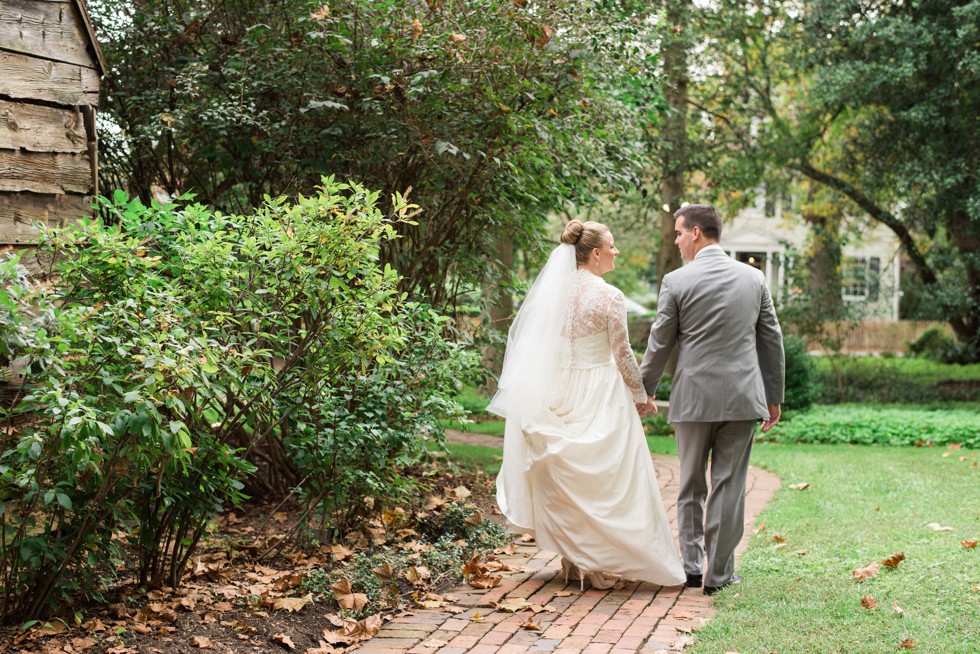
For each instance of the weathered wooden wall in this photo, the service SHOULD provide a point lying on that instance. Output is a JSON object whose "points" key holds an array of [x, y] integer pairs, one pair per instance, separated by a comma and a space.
{"points": [[50, 71]]}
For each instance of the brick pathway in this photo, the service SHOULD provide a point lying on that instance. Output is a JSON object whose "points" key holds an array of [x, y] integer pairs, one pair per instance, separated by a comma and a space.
{"points": [[635, 617]]}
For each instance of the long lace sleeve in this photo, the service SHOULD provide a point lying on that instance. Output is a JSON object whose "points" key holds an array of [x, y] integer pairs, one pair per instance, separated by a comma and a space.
{"points": [[619, 343]]}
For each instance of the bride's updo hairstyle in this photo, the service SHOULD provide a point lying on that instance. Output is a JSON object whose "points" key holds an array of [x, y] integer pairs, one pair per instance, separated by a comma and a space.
{"points": [[585, 237]]}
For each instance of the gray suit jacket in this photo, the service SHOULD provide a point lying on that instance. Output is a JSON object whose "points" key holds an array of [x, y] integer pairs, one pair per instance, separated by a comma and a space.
{"points": [[731, 363]]}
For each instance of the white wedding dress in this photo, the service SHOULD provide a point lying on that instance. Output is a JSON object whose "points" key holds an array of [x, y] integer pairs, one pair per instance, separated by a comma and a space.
{"points": [[578, 476]]}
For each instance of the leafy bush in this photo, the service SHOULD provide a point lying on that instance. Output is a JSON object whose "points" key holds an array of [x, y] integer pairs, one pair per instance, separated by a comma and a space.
{"points": [[189, 357], [934, 343], [799, 389], [866, 425]]}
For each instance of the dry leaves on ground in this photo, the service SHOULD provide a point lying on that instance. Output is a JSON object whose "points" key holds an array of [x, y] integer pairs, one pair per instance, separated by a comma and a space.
{"points": [[870, 570]]}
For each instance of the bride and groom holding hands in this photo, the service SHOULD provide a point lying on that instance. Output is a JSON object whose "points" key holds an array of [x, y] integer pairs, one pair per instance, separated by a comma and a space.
{"points": [[577, 473]]}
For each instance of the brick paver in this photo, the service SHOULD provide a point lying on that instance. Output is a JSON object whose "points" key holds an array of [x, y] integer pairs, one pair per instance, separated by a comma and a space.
{"points": [[632, 617]]}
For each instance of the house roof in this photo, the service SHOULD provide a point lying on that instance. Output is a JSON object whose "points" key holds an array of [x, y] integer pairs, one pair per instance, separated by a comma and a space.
{"points": [[83, 10], [751, 240]]}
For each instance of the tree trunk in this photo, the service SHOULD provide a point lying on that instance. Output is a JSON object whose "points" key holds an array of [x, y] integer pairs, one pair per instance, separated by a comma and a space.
{"points": [[672, 184], [824, 262], [501, 312]]}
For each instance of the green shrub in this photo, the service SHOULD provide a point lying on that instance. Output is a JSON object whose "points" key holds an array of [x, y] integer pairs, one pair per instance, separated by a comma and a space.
{"points": [[934, 343], [799, 388], [859, 424], [189, 357]]}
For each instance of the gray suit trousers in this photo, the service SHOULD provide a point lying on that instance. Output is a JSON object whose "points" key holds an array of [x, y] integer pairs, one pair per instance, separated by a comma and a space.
{"points": [[711, 525]]}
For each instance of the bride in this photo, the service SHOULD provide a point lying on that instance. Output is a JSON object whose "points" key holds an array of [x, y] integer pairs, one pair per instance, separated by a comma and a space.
{"points": [[577, 473]]}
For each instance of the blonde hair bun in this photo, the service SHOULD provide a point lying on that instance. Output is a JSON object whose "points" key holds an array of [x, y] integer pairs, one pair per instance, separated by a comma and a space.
{"points": [[573, 232]]}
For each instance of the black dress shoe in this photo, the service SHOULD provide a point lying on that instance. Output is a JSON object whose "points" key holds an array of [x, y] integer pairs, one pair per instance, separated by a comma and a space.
{"points": [[711, 590], [694, 581]]}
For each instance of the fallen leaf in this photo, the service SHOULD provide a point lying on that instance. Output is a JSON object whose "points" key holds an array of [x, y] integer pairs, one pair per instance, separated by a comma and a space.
{"points": [[476, 617], [323, 648], [801, 486], [530, 624], [778, 538], [284, 640], [202, 642], [222, 607], [893, 560], [538, 608], [341, 553], [564, 593], [83, 643], [898, 609], [969, 544], [761, 529], [955, 446], [512, 604], [53, 628], [294, 604], [434, 643], [935, 526], [417, 574], [871, 570], [289, 582], [869, 602], [346, 597], [802, 552], [384, 572], [432, 503], [908, 643]]}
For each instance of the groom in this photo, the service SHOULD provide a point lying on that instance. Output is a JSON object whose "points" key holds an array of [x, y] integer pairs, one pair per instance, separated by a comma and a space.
{"points": [[730, 373]]}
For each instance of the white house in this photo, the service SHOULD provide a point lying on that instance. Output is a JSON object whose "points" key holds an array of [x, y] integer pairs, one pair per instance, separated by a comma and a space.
{"points": [[770, 239]]}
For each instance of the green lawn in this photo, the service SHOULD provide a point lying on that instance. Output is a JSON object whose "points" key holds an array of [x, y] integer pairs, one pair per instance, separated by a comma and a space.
{"points": [[864, 504]]}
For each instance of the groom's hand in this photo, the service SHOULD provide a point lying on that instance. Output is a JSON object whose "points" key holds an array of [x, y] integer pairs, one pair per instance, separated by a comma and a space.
{"points": [[774, 413]]}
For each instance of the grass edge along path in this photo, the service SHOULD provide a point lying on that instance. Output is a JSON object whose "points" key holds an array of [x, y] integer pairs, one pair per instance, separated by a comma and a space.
{"points": [[861, 506]]}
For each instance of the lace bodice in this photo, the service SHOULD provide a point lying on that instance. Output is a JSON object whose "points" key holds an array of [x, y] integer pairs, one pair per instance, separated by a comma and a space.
{"points": [[597, 308]]}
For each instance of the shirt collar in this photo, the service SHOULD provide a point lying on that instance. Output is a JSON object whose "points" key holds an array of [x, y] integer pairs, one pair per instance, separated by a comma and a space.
{"points": [[714, 247]]}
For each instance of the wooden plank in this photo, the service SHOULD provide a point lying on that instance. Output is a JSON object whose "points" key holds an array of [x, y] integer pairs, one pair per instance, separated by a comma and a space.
{"points": [[30, 78], [38, 128], [19, 210], [51, 30], [45, 172]]}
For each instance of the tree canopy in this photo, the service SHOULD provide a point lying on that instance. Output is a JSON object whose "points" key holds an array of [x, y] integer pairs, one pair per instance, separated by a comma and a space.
{"points": [[492, 113], [876, 101]]}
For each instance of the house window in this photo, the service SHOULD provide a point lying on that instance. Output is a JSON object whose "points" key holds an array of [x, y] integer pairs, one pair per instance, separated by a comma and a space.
{"points": [[861, 278]]}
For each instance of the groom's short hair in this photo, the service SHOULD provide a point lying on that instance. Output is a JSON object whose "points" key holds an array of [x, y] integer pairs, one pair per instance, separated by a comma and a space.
{"points": [[704, 216]]}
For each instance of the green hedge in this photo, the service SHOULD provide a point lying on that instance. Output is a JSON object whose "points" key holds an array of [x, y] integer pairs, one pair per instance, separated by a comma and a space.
{"points": [[859, 424], [893, 381]]}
